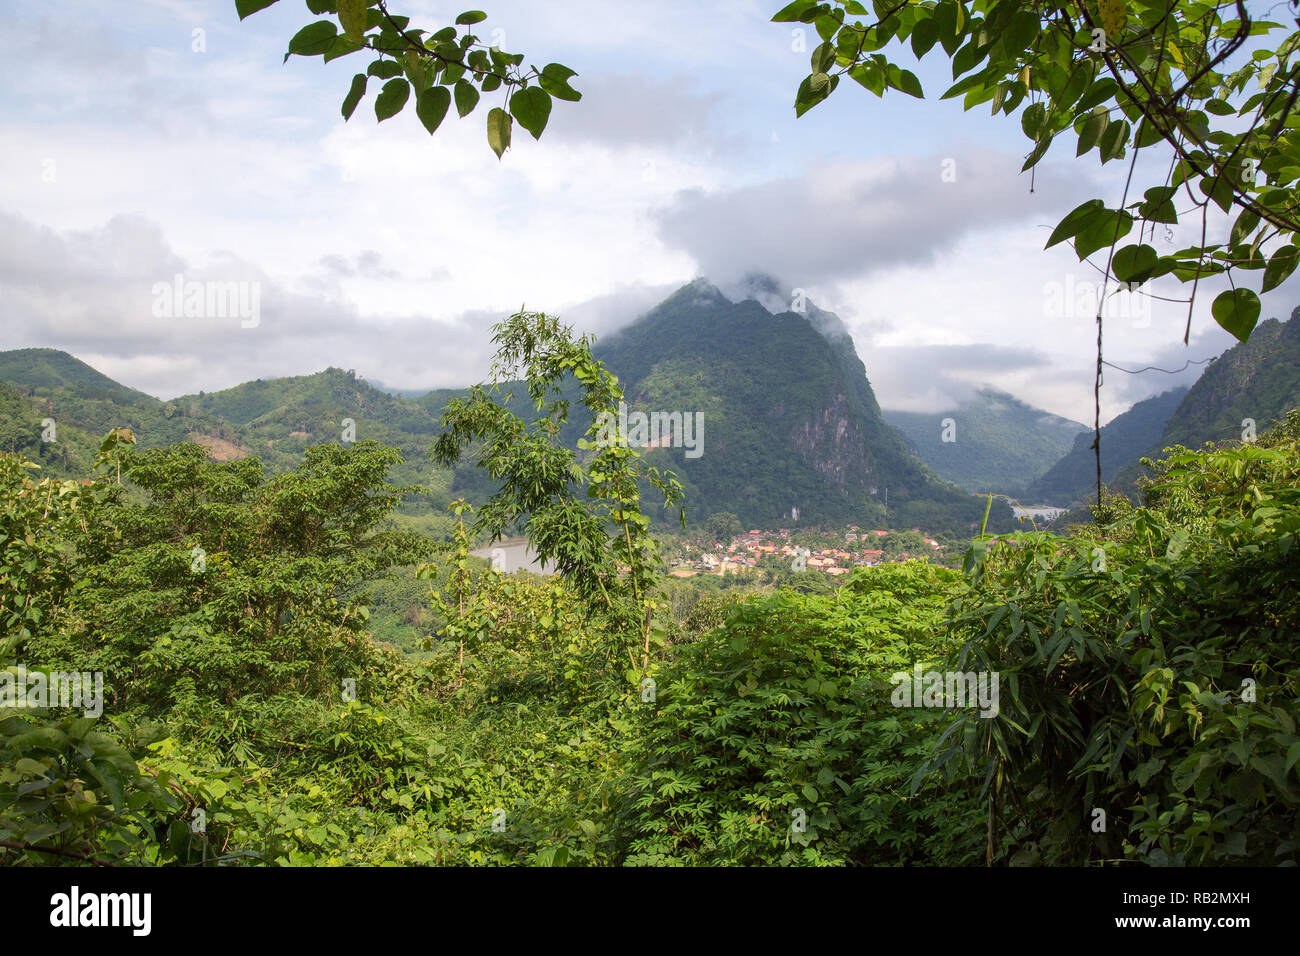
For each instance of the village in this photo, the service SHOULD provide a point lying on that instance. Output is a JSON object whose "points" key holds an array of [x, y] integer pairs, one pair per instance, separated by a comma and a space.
{"points": [[831, 553]]}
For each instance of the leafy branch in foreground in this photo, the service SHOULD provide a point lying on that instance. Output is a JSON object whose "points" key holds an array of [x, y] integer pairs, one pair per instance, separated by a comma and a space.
{"points": [[1195, 83], [1146, 74], [441, 67]]}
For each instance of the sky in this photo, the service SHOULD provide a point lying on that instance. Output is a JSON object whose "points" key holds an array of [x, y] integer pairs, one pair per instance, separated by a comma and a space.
{"points": [[157, 138]]}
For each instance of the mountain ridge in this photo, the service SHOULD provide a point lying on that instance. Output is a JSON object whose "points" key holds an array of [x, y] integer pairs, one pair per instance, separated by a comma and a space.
{"points": [[993, 441], [792, 423]]}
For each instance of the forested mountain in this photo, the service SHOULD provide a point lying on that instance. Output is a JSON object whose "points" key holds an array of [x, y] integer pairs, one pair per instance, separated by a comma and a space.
{"points": [[25, 430], [1253, 383], [789, 418], [1123, 440], [74, 394], [275, 419], [991, 442]]}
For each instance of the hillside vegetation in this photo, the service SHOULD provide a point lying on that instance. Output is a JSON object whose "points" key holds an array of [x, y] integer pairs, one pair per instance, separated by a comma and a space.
{"points": [[995, 442], [1147, 665], [1124, 439]]}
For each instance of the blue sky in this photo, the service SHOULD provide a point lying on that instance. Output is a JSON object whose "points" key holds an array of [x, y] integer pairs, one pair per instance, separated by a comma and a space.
{"points": [[132, 156]]}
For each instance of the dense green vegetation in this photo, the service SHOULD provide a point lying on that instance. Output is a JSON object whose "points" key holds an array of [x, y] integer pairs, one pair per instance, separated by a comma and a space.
{"points": [[1148, 669], [1148, 659]]}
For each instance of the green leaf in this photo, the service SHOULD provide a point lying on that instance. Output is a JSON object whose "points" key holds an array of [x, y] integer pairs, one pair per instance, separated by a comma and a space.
{"points": [[27, 765], [1134, 263], [554, 79], [392, 98], [1093, 127], [1219, 189], [431, 107], [794, 12], [1075, 220], [532, 107], [815, 88], [1237, 311], [1031, 120], [313, 39], [1102, 232], [471, 16], [869, 76], [498, 130], [384, 69], [1021, 33], [111, 780], [357, 91], [1114, 141], [924, 36], [1159, 206], [823, 58], [1243, 227], [341, 46], [352, 17], [1280, 267], [466, 97], [246, 8], [910, 85]]}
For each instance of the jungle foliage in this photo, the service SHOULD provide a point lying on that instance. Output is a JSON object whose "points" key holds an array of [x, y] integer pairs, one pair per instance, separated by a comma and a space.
{"points": [[1148, 670]]}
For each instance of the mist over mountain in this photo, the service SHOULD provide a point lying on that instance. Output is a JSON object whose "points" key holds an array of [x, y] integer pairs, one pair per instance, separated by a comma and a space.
{"points": [[791, 418], [993, 442]]}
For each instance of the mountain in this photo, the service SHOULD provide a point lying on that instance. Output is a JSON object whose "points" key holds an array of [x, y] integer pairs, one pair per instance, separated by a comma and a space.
{"points": [[50, 369], [790, 419], [277, 419], [1123, 439], [28, 428], [84, 404], [1256, 381], [995, 442]]}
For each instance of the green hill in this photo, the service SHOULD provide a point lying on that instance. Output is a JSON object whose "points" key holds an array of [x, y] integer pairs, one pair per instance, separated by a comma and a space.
{"points": [[62, 451], [47, 370], [1256, 381], [998, 443], [1123, 439], [790, 420], [76, 395]]}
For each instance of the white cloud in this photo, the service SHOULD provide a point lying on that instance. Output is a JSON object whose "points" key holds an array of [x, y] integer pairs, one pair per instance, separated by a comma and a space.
{"points": [[381, 248]]}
